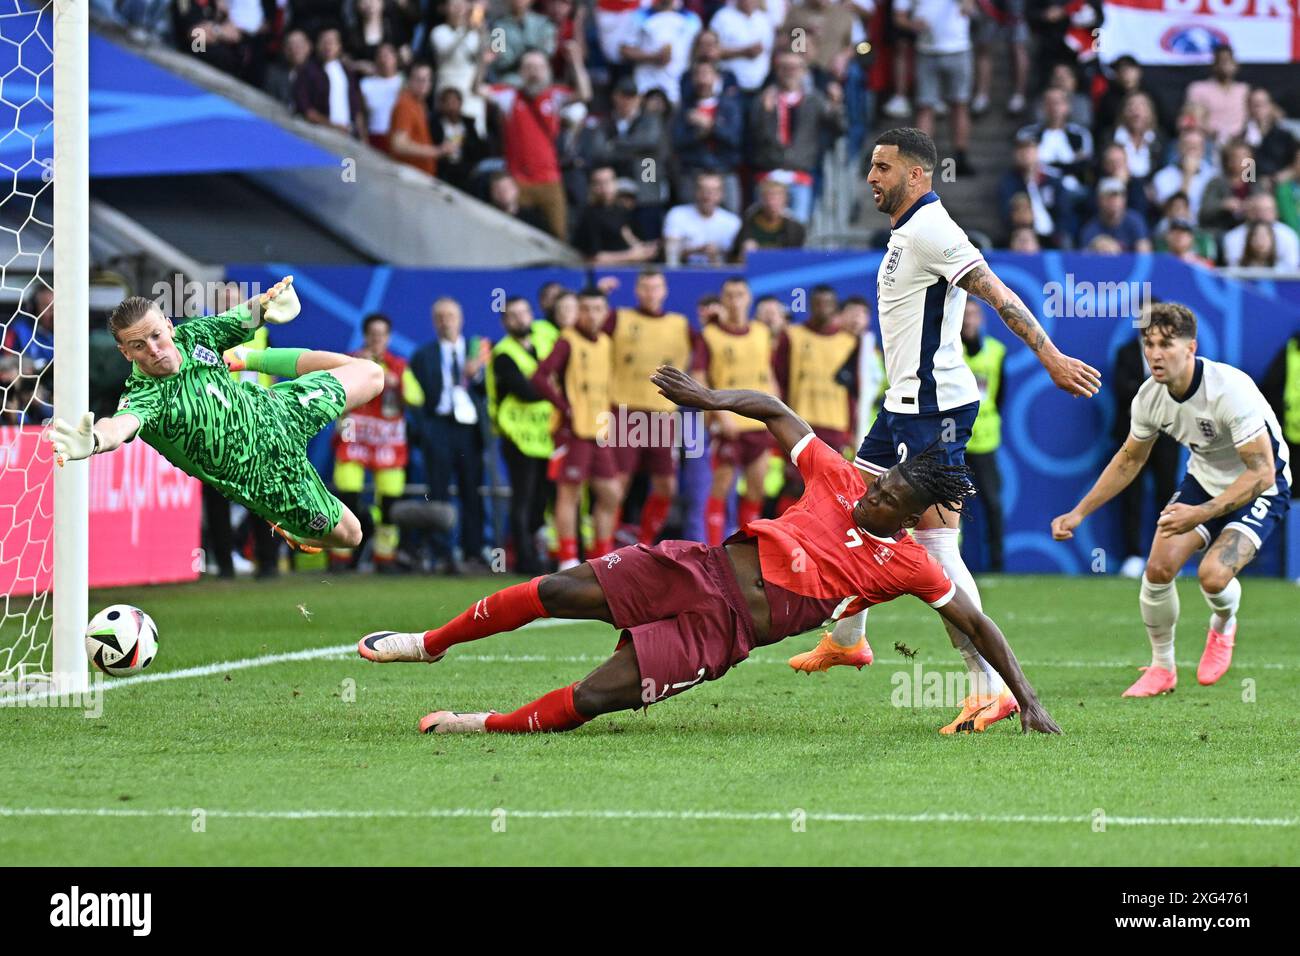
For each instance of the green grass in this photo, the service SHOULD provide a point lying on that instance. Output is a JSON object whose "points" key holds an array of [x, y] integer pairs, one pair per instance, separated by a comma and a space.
{"points": [[287, 737]]}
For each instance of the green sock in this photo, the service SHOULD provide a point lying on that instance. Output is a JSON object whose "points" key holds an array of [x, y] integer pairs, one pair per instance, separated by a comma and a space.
{"points": [[279, 362]]}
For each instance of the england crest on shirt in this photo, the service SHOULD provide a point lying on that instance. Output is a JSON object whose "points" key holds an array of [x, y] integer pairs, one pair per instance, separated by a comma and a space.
{"points": [[205, 355], [892, 263], [1206, 426]]}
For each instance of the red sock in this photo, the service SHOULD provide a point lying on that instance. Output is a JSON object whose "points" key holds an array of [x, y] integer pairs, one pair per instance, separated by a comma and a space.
{"points": [[549, 713], [653, 515], [601, 547], [715, 521], [783, 503], [567, 551], [504, 611], [749, 511]]}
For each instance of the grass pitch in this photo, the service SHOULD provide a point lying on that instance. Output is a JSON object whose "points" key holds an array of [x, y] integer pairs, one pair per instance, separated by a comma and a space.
{"points": [[280, 757]]}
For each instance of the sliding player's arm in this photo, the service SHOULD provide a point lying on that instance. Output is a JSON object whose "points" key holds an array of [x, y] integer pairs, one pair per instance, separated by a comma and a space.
{"points": [[1119, 473], [88, 437], [1068, 374], [786, 427], [962, 614], [1257, 455], [277, 305]]}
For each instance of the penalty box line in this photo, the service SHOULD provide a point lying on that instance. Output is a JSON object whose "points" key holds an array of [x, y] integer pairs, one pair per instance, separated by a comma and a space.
{"points": [[723, 816]]}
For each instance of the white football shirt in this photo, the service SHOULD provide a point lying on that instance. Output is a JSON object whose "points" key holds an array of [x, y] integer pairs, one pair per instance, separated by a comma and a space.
{"points": [[920, 308], [1222, 410]]}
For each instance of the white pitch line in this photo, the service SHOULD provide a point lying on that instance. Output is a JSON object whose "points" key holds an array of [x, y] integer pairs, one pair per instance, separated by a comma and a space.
{"points": [[437, 813]]}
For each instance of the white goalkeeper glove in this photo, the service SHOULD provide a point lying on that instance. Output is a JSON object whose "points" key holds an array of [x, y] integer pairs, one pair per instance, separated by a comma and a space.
{"points": [[280, 304], [74, 443]]}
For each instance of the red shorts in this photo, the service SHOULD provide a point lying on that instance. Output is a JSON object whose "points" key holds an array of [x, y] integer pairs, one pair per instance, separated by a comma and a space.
{"points": [[743, 450], [656, 455], [575, 460], [682, 606]]}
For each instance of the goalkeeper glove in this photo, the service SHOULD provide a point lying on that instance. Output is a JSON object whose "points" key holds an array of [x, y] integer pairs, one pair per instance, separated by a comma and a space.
{"points": [[280, 304], [74, 443]]}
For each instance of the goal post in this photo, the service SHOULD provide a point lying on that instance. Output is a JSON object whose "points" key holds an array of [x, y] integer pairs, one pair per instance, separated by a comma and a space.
{"points": [[71, 333]]}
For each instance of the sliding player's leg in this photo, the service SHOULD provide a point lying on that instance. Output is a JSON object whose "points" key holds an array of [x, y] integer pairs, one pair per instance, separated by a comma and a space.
{"points": [[572, 594], [1158, 601]]}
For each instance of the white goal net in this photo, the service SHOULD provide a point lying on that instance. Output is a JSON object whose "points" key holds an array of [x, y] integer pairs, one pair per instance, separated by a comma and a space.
{"points": [[28, 483]]}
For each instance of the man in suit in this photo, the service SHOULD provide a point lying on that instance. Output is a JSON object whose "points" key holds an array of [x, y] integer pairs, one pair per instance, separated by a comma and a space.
{"points": [[450, 370]]}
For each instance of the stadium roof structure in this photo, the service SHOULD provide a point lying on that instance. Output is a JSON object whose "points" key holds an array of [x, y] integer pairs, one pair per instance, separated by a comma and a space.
{"points": [[144, 121]]}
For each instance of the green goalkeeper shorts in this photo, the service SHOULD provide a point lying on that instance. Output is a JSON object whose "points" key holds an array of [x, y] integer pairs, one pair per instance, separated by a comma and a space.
{"points": [[297, 500]]}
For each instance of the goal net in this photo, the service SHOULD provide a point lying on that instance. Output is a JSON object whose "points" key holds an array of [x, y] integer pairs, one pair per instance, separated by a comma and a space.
{"points": [[33, 141]]}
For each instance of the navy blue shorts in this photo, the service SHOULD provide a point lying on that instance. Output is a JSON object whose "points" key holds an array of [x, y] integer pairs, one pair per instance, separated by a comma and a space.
{"points": [[894, 437], [1255, 520]]}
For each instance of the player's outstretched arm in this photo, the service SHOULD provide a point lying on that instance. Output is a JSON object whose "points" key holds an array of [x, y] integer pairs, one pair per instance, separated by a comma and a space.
{"points": [[786, 427], [1123, 468], [1068, 374], [88, 437], [962, 613]]}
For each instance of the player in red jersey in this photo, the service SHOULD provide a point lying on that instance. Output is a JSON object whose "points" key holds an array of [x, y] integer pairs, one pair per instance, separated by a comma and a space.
{"points": [[688, 612]]}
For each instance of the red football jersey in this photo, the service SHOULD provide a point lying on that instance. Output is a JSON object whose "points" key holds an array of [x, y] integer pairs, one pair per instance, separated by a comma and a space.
{"points": [[816, 548]]}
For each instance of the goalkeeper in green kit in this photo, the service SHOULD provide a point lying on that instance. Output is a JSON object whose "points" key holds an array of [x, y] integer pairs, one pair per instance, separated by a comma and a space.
{"points": [[248, 442]]}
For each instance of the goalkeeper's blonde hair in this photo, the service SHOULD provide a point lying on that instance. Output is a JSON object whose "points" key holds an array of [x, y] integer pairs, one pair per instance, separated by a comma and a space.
{"points": [[128, 312]]}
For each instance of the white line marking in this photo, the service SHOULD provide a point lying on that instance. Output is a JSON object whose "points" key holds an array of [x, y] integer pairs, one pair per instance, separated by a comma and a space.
{"points": [[671, 815]]}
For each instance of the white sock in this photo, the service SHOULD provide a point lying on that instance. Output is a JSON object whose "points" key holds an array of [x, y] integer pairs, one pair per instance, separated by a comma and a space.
{"points": [[942, 543], [849, 630], [1159, 603], [1224, 605]]}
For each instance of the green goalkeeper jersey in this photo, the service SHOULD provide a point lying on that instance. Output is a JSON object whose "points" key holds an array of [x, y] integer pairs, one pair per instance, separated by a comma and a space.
{"points": [[247, 441]]}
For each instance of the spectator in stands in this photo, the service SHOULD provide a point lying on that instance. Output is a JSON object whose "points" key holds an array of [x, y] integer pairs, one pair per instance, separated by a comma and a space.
{"points": [[660, 50], [1064, 78], [1222, 96], [1223, 204], [530, 119], [1116, 220], [1124, 81], [1024, 239], [768, 225], [1063, 146], [1261, 210], [708, 48], [1063, 31], [707, 134], [31, 331], [635, 143], [570, 19], [997, 21], [701, 233], [371, 26], [1261, 248], [458, 46], [1180, 242], [580, 148], [503, 193], [1114, 165], [228, 34], [616, 25], [1275, 147], [1189, 174], [788, 122], [450, 371], [745, 35], [1044, 193], [1176, 209], [944, 67], [1286, 191], [605, 233], [1104, 245], [520, 31], [326, 92], [410, 140], [380, 92], [453, 131], [827, 28], [283, 73], [1139, 136]]}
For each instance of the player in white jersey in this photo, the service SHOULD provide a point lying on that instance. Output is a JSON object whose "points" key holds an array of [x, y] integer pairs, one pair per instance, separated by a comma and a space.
{"points": [[929, 267], [1236, 491]]}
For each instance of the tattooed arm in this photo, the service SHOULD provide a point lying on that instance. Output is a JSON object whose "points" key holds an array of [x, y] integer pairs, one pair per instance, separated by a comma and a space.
{"points": [[1257, 454], [1068, 374], [1123, 468]]}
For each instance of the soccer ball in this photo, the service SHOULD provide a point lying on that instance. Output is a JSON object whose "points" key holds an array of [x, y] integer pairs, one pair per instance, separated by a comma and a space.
{"points": [[121, 640]]}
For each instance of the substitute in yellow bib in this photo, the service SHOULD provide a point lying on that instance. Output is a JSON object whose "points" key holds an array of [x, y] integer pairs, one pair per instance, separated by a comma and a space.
{"points": [[986, 357], [522, 419]]}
